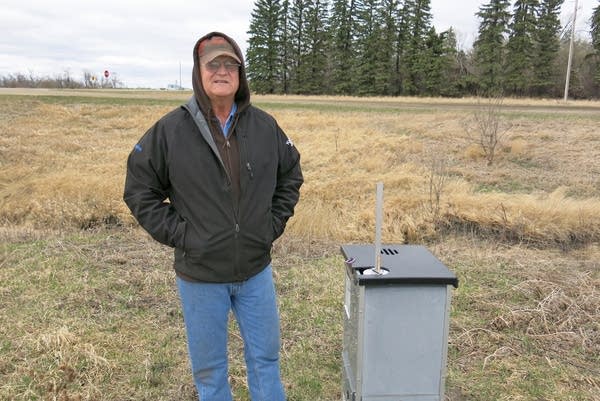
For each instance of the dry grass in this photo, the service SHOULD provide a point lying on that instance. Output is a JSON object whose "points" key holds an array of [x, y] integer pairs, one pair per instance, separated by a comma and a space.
{"points": [[545, 193], [63, 166], [523, 316], [89, 315]]}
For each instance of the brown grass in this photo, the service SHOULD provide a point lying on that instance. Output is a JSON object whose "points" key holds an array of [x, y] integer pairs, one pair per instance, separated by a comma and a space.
{"points": [[538, 321], [534, 191], [63, 166]]}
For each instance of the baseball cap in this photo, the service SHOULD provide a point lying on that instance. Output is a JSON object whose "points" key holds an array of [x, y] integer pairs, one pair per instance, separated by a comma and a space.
{"points": [[216, 46]]}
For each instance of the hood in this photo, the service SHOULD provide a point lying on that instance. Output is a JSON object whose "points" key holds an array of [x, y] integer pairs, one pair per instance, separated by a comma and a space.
{"points": [[242, 96]]}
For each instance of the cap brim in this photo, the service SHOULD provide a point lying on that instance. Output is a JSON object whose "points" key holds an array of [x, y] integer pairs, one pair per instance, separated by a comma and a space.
{"points": [[210, 56]]}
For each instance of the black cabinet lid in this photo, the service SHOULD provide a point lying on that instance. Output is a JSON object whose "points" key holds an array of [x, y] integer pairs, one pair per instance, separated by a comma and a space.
{"points": [[406, 264]]}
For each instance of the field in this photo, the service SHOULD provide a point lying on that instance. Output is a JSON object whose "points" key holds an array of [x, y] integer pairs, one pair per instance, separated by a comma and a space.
{"points": [[88, 305]]}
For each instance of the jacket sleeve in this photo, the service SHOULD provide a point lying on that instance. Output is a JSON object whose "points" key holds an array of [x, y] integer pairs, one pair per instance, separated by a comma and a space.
{"points": [[147, 189], [289, 181]]}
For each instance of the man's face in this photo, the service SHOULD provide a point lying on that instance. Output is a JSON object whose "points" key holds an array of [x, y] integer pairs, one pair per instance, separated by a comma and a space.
{"points": [[220, 78]]}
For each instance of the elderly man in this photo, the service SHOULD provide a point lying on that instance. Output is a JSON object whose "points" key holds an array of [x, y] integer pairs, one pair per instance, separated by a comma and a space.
{"points": [[217, 179]]}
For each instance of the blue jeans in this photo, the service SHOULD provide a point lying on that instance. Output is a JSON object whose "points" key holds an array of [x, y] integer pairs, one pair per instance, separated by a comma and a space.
{"points": [[206, 309]]}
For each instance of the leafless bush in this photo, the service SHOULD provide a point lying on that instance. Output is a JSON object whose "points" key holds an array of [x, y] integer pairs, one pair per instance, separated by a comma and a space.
{"points": [[438, 176], [488, 126], [59, 81]]}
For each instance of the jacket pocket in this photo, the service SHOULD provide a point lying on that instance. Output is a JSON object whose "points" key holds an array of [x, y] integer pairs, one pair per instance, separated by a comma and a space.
{"points": [[194, 245], [270, 229], [277, 228], [258, 231], [202, 247]]}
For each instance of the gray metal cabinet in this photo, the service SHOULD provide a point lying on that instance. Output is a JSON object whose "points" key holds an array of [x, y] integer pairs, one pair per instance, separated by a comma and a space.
{"points": [[395, 324]]}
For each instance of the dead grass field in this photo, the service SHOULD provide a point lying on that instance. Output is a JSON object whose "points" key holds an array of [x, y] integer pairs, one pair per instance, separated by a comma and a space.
{"points": [[87, 304]]}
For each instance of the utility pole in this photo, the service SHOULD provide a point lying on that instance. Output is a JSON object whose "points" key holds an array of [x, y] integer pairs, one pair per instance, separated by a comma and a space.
{"points": [[180, 84], [570, 53]]}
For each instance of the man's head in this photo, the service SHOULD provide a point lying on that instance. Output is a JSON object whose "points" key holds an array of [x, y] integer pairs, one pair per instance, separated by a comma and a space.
{"points": [[219, 71], [219, 68]]}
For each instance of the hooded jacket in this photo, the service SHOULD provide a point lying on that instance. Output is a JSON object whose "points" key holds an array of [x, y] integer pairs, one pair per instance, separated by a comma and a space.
{"points": [[183, 190]]}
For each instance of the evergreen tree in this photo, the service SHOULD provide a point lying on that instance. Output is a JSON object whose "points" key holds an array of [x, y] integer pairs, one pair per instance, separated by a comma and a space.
{"points": [[366, 36], [418, 20], [372, 68], [400, 53], [521, 46], [286, 48], [298, 45], [452, 69], [547, 46], [342, 49], [308, 20], [314, 72], [489, 47], [265, 72], [434, 69], [387, 49]]}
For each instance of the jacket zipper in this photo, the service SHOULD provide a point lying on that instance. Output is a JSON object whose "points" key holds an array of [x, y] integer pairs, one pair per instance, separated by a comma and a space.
{"points": [[236, 265]]}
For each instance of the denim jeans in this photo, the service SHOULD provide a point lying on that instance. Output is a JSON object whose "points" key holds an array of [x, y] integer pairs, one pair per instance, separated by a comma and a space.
{"points": [[206, 309]]}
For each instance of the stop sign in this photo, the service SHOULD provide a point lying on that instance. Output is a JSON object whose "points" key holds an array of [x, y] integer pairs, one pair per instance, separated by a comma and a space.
{"points": [[106, 73]]}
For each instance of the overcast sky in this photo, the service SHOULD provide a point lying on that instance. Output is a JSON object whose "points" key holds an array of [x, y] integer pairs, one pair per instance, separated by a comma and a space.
{"points": [[144, 43]]}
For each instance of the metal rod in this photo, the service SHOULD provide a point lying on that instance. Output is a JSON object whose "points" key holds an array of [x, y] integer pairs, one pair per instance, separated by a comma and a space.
{"points": [[378, 223]]}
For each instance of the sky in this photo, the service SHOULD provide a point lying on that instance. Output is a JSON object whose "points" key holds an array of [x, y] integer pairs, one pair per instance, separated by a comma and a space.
{"points": [[149, 43]]}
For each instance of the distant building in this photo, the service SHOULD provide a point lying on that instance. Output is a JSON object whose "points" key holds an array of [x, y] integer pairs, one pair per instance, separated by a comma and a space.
{"points": [[174, 87]]}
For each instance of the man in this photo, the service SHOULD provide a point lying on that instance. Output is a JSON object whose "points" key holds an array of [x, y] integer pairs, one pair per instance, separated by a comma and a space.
{"points": [[217, 179]]}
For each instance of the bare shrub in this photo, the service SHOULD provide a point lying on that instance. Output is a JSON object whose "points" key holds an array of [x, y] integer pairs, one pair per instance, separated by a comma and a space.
{"points": [[438, 176], [488, 126]]}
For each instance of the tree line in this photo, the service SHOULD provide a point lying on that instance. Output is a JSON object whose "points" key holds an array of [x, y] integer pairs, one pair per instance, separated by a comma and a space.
{"points": [[390, 48], [60, 81]]}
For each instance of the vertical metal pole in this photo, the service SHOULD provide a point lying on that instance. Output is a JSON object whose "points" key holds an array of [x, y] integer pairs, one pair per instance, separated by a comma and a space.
{"points": [[570, 53], [378, 223], [180, 83]]}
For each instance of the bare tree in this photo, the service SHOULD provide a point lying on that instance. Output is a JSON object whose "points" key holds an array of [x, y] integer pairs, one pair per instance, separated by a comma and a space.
{"points": [[439, 163], [90, 80], [488, 125], [112, 82]]}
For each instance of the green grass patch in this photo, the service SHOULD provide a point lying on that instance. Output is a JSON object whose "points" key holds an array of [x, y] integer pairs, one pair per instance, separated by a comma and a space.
{"points": [[510, 186], [95, 315], [333, 107]]}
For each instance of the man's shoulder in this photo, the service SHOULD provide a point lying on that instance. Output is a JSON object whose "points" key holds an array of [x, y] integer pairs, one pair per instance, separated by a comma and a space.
{"points": [[173, 118], [175, 115]]}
